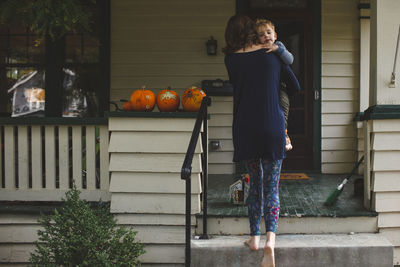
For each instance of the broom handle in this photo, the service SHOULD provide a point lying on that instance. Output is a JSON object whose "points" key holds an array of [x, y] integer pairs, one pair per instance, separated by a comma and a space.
{"points": [[355, 168]]}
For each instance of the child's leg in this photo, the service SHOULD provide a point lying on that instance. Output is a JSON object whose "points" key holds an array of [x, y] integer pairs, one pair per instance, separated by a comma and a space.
{"points": [[284, 102], [285, 105], [271, 173], [254, 199]]}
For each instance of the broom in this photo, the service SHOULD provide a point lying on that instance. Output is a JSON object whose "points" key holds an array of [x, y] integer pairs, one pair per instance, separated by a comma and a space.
{"points": [[333, 197]]}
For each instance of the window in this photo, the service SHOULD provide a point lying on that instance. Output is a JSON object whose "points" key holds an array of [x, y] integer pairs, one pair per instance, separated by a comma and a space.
{"points": [[85, 56]]}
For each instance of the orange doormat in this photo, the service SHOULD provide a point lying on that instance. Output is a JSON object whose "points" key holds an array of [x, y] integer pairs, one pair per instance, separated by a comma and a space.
{"points": [[294, 176]]}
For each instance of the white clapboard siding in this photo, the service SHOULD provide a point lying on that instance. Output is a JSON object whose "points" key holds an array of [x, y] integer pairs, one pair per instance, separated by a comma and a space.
{"points": [[176, 56], [329, 57], [152, 182], [338, 144], [386, 181], [152, 142], [220, 129], [385, 160], [152, 219], [336, 167], [341, 131], [338, 95], [386, 141], [147, 192], [221, 120], [221, 157], [385, 173], [151, 162], [388, 219], [386, 202], [226, 145], [385, 126], [153, 203], [19, 233], [15, 253], [392, 234], [151, 124], [219, 168], [338, 156], [218, 133], [337, 118], [340, 84]]}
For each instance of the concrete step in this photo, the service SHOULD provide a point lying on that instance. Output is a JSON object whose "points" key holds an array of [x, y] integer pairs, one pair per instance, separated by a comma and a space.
{"points": [[292, 225], [334, 250]]}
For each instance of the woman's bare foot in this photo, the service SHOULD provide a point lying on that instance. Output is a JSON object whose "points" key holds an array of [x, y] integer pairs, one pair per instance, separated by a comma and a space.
{"points": [[269, 257], [254, 242]]}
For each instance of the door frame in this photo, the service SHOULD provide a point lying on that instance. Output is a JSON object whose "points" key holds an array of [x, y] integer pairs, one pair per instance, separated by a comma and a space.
{"points": [[241, 7]]}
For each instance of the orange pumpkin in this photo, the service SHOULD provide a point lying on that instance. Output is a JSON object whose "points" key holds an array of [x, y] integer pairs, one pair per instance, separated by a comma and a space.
{"points": [[191, 99], [143, 100], [167, 100], [127, 106]]}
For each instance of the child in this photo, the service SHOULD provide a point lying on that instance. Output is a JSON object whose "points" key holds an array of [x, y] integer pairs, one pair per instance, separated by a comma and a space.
{"points": [[267, 36]]}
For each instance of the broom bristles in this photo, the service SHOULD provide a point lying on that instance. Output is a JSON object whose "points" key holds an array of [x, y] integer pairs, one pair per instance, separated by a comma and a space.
{"points": [[333, 197]]}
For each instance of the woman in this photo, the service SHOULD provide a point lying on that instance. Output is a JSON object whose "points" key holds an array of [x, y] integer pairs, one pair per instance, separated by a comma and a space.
{"points": [[258, 124]]}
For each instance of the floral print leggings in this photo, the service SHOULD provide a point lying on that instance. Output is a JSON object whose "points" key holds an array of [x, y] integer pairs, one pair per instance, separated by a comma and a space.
{"points": [[263, 194]]}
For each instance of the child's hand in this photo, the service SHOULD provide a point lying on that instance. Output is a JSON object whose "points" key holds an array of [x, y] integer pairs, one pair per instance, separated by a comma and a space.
{"points": [[272, 48]]}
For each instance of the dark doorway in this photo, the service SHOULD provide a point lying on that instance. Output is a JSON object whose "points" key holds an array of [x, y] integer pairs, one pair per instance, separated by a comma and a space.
{"points": [[293, 23]]}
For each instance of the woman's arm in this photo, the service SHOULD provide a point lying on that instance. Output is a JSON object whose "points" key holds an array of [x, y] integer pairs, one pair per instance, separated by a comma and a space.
{"points": [[289, 78], [284, 54]]}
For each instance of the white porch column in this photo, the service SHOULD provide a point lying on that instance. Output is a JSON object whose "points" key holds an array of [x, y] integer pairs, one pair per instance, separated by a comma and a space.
{"points": [[385, 21], [382, 120]]}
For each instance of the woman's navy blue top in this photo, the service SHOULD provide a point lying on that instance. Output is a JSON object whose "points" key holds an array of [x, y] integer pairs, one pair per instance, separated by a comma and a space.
{"points": [[258, 121]]}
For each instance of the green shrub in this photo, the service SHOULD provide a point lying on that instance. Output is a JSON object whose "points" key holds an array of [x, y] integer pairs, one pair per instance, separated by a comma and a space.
{"points": [[78, 235]]}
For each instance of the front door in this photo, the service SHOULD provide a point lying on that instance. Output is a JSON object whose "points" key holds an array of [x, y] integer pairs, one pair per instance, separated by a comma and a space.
{"points": [[293, 24]]}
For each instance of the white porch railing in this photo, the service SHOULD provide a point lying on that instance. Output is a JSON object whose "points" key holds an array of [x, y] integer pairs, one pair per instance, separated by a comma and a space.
{"points": [[41, 158]]}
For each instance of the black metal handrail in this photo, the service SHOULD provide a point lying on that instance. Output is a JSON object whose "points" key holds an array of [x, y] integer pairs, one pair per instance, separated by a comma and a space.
{"points": [[186, 173]]}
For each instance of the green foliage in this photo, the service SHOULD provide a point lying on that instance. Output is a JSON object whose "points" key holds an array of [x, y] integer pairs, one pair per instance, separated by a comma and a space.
{"points": [[78, 235], [52, 17]]}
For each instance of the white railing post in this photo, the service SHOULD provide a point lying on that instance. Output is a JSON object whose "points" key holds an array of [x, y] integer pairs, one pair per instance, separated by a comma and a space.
{"points": [[9, 157], [77, 156], [36, 155], [50, 157], [23, 157], [63, 157], [90, 157], [104, 158], [40, 159]]}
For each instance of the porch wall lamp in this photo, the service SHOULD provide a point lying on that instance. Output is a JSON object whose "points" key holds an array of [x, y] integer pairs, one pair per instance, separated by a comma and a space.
{"points": [[211, 46]]}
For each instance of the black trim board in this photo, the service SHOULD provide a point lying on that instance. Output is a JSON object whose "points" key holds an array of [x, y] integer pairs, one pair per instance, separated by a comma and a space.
{"points": [[379, 112]]}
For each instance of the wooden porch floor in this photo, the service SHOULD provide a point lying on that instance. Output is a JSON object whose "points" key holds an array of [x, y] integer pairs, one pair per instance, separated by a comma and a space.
{"points": [[298, 198]]}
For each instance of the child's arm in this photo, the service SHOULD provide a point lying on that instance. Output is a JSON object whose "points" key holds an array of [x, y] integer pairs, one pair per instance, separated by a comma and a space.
{"points": [[283, 53]]}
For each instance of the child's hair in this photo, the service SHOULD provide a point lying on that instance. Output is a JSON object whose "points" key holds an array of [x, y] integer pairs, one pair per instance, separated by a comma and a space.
{"points": [[264, 23], [239, 33]]}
